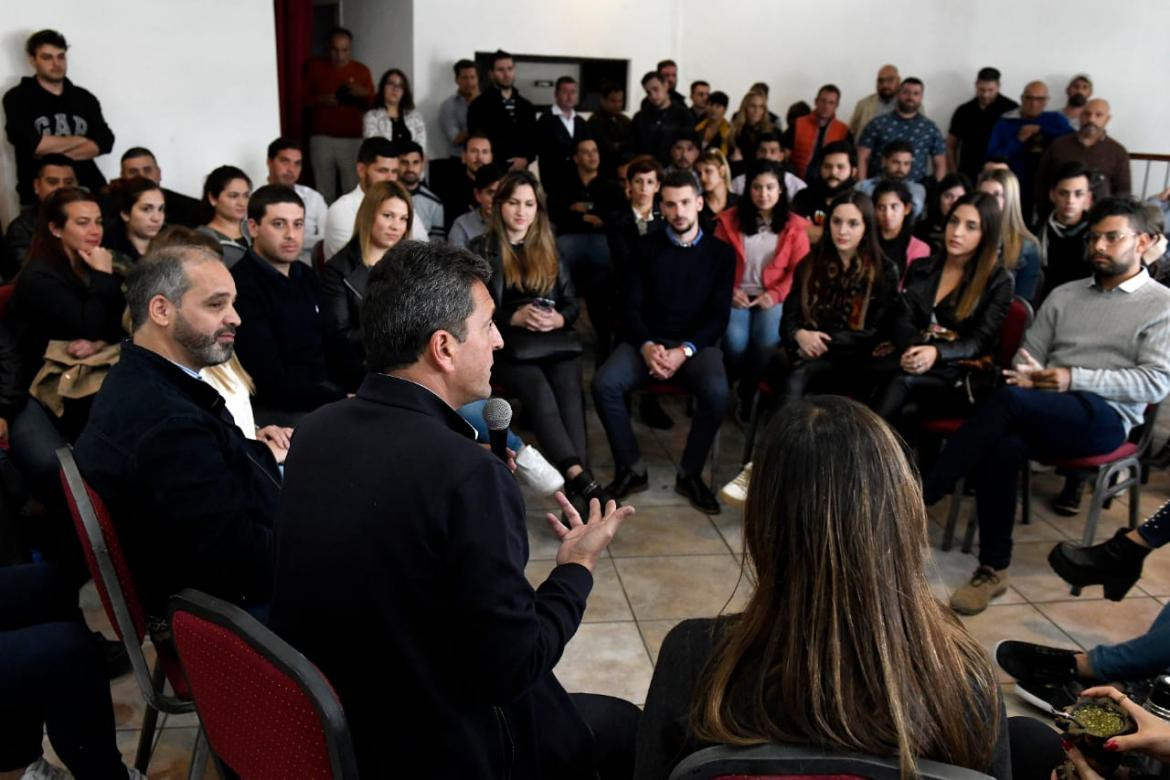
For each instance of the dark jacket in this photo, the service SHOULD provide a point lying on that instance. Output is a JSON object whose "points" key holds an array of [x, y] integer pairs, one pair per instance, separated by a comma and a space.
{"points": [[511, 135], [51, 302], [508, 298], [555, 148], [614, 134], [12, 394], [343, 285], [860, 337], [394, 524], [182, 209], [664, 734], [283, 338], [193, 500], [32, 111], [19, 236], [978, 334], [604, 196], [656, 128], [675, 294]]}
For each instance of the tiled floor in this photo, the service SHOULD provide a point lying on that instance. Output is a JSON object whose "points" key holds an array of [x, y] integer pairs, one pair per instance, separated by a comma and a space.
{"points": [[670, 562]]}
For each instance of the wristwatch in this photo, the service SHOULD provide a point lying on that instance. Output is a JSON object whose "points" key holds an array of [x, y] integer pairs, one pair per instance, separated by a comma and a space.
{"points": [[688, 350]]}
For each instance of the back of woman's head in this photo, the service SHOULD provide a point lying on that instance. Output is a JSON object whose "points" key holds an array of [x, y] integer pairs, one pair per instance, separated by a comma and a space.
{"points": [[53, 214], [746, 208], [842, 644]]}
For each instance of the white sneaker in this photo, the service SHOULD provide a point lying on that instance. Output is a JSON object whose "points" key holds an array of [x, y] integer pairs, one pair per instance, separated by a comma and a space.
{"points": [[734, 493], [43, 770], [135, 774], [537, 473]]}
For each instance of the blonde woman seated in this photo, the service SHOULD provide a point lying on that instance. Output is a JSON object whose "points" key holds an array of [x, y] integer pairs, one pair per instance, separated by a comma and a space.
{"points": [[842, 644], [715, 178], [1019, 251]]}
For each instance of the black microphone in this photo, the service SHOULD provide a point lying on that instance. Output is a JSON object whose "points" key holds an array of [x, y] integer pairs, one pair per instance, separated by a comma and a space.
{"points": [[498, 416]]}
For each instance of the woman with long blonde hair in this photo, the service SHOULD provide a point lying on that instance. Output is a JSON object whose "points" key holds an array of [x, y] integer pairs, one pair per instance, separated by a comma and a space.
{"points": [[842, 645], [750, 122], [535, 310], [715, 177], [1019, 250]]}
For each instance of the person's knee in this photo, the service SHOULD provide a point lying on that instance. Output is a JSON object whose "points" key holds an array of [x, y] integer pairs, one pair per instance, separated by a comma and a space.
{"points": [[610, 381]]}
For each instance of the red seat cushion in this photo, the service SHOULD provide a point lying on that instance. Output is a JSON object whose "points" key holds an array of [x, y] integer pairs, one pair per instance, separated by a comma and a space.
{"points": [[1127, 450], [944, 427], [665, 388]]}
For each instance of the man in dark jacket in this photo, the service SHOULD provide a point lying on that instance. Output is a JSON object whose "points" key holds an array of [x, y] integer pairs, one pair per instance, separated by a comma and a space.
{"points": [[192, 498], [181, 209], [678, 302], [396, 522], [298, 362], [504, 116], [557, 133], [659, 121], [48, 114], [50, 173]]}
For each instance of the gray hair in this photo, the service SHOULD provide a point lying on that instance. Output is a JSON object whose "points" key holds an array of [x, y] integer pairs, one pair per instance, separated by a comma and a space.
{"points": [[417, 289], [161, 272]]}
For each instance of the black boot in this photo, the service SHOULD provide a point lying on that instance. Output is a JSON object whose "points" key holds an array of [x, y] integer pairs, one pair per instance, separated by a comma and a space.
{"points": [[1068, 502], [1116, 564], [585, 487]]}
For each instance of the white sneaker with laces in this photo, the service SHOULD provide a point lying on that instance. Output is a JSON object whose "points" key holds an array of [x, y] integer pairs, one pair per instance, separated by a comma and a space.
{"points": [[43, 770], [537, 473], [734, 493]]}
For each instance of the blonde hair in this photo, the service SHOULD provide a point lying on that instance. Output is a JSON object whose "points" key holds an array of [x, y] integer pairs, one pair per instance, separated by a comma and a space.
{"points": [[535, 269], [842, 645], [740, 118], [231, 374], [1013, 231], [716, 157], [376, 195]]}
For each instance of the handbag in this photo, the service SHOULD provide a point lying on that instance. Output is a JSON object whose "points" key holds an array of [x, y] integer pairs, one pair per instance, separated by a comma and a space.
{"points": [[528, 346]]}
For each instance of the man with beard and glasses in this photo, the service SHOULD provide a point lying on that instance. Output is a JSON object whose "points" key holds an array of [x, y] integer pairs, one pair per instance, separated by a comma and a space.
{"points": [[1091, 147], [1097, 354], [193, 498], [836, 175]]}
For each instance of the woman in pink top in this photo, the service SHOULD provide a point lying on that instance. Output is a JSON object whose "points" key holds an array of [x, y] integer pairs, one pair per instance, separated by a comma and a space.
{"points": [[893, 204], [769, 241]]}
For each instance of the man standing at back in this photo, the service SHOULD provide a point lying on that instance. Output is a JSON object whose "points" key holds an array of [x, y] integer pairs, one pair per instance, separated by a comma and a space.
{"points": [[972, 122], [807, 136], [1091, 146], [905, 123], [452, 675], [659, 121], [337, 93], [1021, 136], [505, 116], [47, 114], [558, 131], [880, 102]]}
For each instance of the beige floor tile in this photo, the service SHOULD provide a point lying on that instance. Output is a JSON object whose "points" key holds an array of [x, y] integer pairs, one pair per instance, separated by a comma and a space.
{"points": [[172, 755], [1155, 578], [607, 658], [607, 602], [1092, 623], [1022, 622], [653, 632], [683, 586], [1033, 577], [666, 530], [730, 525], [542, 542]]}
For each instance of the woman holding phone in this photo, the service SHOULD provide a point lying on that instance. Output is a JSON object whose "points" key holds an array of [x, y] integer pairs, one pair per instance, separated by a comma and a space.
{"points": [[535, 310]]}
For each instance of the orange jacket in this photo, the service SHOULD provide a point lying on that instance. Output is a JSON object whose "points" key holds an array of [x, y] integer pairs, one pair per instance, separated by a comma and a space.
{"points": [[791, 247], [804, 140]]}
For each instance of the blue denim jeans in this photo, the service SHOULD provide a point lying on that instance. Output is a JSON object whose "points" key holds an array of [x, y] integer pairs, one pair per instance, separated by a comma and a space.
{"points": [[1141, 657], [751, 335], [473, 413]]}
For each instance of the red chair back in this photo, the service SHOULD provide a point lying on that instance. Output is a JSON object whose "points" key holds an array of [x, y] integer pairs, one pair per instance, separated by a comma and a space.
{"points": [[266, 710], [6, 291], [1011, 333]]}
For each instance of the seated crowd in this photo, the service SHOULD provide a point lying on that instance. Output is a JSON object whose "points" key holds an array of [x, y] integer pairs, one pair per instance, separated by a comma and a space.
{"points": [[280, 394]]}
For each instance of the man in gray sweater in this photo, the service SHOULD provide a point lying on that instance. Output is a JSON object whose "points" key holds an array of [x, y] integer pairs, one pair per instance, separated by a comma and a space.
{"points": [[1097, 354]]}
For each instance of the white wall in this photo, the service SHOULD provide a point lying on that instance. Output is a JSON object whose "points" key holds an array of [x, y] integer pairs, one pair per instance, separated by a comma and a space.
{"points": [[797, 46], [193, 81]]}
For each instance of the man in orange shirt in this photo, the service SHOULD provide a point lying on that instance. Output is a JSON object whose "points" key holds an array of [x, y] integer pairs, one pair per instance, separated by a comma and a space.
{"points": [[337, 93]]}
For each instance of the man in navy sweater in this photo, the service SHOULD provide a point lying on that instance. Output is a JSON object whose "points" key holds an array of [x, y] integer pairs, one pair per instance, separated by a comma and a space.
{"points": [[678, 302]]}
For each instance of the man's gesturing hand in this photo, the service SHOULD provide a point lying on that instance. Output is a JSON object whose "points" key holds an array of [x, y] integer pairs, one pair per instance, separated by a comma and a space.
{"points": [[584, 543]]}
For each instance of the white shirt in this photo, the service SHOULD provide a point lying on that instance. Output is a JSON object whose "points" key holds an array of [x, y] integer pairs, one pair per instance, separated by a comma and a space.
{"points": [[566, 121], [315, 210], [340, 218]]}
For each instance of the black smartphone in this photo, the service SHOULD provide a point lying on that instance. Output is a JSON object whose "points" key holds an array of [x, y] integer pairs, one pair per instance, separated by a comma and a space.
{"points": [[544, 303]]}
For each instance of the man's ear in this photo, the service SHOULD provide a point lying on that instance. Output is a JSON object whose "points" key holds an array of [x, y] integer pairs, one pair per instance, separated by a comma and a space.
{"points": [[441, 349], [160, 311]]}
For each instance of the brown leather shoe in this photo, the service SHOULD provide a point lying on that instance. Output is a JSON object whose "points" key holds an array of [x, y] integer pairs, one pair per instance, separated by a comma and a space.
{"points": [[985, 584]]}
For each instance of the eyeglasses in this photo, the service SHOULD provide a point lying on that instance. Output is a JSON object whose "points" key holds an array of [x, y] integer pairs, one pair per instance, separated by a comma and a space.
{"points": [[1111, 237]]}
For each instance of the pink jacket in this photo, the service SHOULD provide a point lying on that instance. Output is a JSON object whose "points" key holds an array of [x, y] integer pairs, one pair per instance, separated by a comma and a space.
{"points": [[791, 247]]}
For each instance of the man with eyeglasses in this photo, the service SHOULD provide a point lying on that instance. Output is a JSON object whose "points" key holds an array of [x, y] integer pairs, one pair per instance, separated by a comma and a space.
{"points": [[1022, 135], [1097, 354]]}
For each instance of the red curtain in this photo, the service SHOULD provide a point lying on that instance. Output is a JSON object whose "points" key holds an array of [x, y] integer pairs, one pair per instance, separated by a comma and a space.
{"points": [[294, 43]]}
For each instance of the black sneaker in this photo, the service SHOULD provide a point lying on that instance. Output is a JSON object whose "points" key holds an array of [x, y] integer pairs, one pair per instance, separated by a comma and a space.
{"points": [[1049, 697], [625, 482], [654, 415], [698, 494], [1036, 663], [1068, 502]]}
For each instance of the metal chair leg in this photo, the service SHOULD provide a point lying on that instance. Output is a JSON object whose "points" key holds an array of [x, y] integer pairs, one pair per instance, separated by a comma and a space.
{"points": [[972, 527], [158, 679], [199, 756], [1026, 494], [948, 539]]}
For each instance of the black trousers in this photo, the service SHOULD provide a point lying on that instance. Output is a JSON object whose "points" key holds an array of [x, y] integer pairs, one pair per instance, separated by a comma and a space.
{"points": [[52, 677], [553, 404], [614, 723]]}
